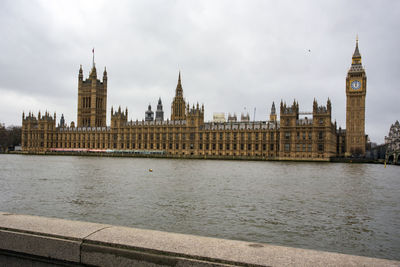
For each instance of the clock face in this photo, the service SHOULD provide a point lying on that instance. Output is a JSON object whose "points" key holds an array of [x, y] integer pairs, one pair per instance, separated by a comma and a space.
{"points": [[355, 84]]}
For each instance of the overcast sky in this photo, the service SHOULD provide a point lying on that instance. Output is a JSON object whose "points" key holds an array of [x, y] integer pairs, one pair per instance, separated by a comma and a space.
{"points": [[234, 56]]}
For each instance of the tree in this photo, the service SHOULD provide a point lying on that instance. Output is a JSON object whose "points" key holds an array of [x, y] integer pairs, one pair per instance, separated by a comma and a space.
{"points": [[9, 137]]}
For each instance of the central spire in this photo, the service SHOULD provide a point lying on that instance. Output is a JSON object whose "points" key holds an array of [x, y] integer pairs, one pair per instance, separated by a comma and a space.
{"points": [[179, 90], [93, 58]]}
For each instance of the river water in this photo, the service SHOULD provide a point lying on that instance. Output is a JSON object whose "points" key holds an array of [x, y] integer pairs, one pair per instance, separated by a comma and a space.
{"points": [[347, 208]]}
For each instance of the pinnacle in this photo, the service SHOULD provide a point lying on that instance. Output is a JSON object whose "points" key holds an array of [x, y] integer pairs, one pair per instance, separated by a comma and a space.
{"points": [[356, 51]]}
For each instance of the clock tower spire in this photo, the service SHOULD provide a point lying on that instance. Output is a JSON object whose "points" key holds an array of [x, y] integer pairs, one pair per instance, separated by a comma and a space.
{"points": [[356, 90]]}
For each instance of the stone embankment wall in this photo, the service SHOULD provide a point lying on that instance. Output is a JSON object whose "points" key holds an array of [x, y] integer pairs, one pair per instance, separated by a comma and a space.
{"points": [[39, 241]]}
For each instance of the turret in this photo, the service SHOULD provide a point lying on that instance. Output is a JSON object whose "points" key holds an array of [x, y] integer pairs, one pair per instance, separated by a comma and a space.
{"points": [[289, 114], [322, 114], [159, 112], [272, 115], [149, 114], [62, 121], [195, 115], [119, 118], [80, 76], [105, 77], [329, 105]]}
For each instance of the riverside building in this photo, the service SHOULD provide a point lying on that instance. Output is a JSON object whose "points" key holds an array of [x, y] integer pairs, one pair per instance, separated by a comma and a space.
{"points": [[293, 136]]}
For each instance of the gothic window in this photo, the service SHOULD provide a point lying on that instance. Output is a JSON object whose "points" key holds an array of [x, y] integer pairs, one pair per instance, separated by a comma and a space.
{"points": [[309, 147], [297, 147], [249, 146], [320, 147], [287, 147], [287, 135], [304, 147], [320, 135]]}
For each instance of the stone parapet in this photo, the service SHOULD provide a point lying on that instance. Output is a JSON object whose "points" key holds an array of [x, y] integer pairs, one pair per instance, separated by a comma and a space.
{"points": [[47, 241]]}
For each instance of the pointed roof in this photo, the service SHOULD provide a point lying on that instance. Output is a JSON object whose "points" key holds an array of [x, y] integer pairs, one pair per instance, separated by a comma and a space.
{"points": [[93, 72], [179, 90], [273, 110], [356, 65], [356, 51]]}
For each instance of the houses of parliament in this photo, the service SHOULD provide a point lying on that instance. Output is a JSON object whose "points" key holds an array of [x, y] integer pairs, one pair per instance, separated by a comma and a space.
{"points": [[292, 136]]}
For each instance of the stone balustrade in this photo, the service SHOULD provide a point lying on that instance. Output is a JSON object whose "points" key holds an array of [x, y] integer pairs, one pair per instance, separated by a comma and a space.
{"points": [[39, 241]]}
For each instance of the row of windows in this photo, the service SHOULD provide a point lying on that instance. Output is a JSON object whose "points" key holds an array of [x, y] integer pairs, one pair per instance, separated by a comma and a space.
{"points": [[159, 146], [304, 135], [303, 147], [177, 136], [256, 147]]}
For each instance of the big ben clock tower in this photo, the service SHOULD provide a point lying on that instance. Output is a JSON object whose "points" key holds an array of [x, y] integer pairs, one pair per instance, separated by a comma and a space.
{"points": [[356, 90]]}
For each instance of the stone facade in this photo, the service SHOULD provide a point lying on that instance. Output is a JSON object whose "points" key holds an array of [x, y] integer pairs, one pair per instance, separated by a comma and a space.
{"points": [[356, 90], [293, 137]]}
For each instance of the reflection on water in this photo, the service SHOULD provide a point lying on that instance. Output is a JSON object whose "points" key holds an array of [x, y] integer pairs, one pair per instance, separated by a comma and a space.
{"points": [[348, 208]]}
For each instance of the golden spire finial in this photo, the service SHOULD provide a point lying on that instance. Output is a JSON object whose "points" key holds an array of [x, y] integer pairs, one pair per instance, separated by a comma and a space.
{"points": [[357, 38]]}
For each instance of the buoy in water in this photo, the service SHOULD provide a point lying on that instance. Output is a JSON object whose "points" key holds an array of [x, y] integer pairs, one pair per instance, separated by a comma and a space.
{"points": [[150, 170]]}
